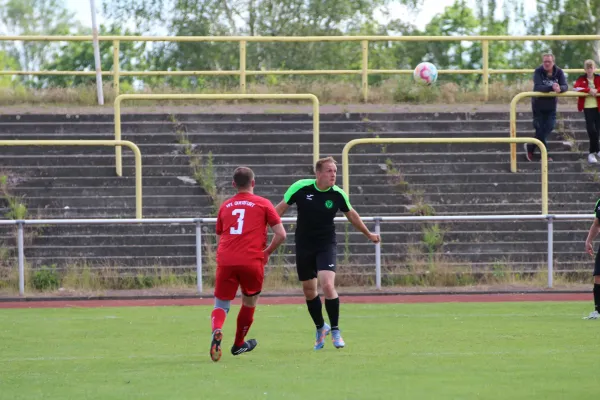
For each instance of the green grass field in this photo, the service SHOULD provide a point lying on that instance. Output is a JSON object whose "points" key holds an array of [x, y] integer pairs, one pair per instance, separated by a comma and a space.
{"points": [[408, 351]]}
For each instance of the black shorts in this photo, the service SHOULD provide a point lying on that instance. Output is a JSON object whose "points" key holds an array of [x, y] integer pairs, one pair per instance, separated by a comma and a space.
{"points": [[311, 260], [597, 264]]}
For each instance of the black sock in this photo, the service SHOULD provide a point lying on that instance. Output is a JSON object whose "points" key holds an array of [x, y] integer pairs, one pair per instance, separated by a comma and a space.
{"points": [[597, 296], [316, 311], [333, 310]]}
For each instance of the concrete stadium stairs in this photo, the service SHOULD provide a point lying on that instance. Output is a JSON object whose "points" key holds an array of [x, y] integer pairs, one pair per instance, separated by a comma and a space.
{"points": [[466, 179]]}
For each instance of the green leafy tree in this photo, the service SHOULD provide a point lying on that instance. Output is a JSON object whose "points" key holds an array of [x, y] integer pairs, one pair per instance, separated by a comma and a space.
{"points": [[79, 56], [34, 17], [7, 63], [567, 17], [251, 17]]}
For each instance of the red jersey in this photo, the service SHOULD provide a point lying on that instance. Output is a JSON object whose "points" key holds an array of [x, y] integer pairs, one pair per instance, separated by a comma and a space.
{"points": [[242, 223]]}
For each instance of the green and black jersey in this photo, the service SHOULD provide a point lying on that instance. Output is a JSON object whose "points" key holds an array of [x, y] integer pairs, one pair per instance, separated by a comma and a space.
{"points": [[597, 209], [316, 211]]}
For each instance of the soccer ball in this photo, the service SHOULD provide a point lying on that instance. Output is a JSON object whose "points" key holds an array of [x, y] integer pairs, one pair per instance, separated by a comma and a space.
{"points": [[425, 73]]}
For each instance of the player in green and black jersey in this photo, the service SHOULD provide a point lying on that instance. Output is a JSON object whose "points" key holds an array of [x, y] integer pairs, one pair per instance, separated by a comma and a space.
{"points": [[318, 201]]}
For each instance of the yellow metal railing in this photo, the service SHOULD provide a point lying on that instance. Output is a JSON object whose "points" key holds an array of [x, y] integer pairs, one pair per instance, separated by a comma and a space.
{"points": [[132, 146], [352, 143], [242, 71], [121, 98], [513, 118]]}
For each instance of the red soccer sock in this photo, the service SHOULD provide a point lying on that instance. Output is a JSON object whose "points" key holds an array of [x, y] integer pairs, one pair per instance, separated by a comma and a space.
{"points": [[217, 318], [244, 321]]}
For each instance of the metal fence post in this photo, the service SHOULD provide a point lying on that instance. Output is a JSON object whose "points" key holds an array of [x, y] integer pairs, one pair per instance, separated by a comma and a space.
{"points": [[378, 255], [116, 68], [199, 255], [21, 252], [550, 250], [365, 70], [486, 69], [242, 66]]}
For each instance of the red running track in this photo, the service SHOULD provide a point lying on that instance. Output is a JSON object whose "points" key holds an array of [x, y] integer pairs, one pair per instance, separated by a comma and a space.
{"points": [[387, 299]]}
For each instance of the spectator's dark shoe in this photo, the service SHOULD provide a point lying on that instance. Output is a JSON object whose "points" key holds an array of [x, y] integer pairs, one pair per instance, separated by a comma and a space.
{"points": [[528, 153]]}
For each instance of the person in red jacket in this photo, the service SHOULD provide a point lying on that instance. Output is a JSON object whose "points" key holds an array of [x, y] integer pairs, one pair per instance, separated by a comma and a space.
{"points": [[590, 105]]}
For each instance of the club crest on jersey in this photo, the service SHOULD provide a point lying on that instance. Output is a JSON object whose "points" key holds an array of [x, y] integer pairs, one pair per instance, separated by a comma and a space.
{"points": [[329, 204]]}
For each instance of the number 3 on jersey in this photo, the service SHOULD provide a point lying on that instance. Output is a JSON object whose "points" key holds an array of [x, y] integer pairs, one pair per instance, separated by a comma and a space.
{"points": [[240, 222]]}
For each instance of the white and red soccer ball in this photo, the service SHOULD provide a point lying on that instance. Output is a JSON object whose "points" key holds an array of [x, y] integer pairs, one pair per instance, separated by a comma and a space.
{"points": [[425, 73]]}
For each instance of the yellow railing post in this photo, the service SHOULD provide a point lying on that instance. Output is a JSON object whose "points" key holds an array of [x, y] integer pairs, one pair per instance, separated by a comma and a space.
{"points": [[136, 152], [243, 66], [116, 67], [116, 88], [543, 151], [365, 70], [117, 117], [513, 118], [310, 97], [485, 45]]}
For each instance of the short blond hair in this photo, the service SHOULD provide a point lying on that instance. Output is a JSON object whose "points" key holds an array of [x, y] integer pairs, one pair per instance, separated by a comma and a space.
{"points": [[589, 63], [548, 55], [320, 162]]}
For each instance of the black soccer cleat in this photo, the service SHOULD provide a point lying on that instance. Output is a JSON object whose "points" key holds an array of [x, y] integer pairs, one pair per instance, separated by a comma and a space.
{"points": [[215, 345], [248, 345]]}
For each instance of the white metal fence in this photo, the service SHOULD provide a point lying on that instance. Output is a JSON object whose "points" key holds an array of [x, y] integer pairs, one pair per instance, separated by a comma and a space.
{"points": [[198, 222]]}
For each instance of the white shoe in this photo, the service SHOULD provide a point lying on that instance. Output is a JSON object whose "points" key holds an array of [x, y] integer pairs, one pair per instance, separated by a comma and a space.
{"points": [[593, 315], [592, 159], [598, 155]]}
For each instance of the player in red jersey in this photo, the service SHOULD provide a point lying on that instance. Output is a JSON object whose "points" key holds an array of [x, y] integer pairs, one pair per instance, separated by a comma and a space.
{"points": [[241, 257]]}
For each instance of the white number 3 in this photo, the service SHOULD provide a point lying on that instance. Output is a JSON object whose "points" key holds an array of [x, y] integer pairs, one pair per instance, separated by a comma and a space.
{"points": [[240, 222]]}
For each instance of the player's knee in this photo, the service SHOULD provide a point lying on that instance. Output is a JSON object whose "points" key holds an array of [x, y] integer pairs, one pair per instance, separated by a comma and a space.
{"points": [[224, 304], [310, 289], [328, 289], [250, 301], [597, 279]]}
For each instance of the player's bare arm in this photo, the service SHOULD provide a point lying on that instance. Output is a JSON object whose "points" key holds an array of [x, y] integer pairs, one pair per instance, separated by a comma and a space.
{"points": [[594, 231], [281, 208], [279, 236], [354, 218]]}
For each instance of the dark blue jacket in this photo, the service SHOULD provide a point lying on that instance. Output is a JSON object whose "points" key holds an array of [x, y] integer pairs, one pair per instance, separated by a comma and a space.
{"points": [[543, 83]]}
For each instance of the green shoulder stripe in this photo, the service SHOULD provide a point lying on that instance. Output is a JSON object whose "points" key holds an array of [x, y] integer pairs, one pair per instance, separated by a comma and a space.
{"points": [[344, 195], [297, 186], [596, 206]]}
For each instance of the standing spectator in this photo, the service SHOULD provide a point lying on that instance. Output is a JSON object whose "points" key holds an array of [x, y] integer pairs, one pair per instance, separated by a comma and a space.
{"points": [[590, 105], [546, 78]]}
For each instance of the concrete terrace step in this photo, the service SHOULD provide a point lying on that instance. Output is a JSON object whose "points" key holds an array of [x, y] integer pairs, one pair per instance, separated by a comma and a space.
{"points": [[481, 228], [304, 147], [226, 171], [272, 126], [370, 199], [265, 115], [184, 210], [293, 158], [268, 189], [171, 136], [461, 179]]}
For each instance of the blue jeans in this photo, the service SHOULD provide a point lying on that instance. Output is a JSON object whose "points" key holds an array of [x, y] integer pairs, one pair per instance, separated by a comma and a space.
{"points": [[544, 123]]}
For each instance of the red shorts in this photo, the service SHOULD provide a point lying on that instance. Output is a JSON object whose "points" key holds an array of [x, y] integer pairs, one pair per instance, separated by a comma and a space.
{"points": [[249, 277]]}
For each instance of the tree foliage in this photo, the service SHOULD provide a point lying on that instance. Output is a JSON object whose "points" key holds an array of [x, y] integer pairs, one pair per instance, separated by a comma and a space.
{"points": [[295, 18]]}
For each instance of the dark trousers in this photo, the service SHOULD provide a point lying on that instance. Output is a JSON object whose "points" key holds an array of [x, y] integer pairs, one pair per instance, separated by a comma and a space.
{"points": [[544, 123], [592, 124]]}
